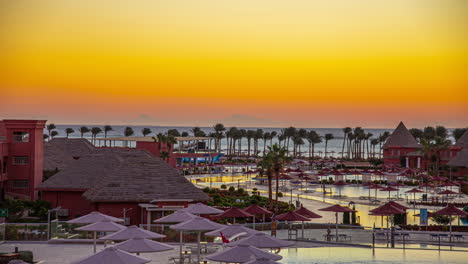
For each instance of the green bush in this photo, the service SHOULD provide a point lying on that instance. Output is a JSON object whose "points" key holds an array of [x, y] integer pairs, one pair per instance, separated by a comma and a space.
{"points": [[26, 256], [231, 189], [240, 191], [224, 186], [206, 189], [280, 194]]}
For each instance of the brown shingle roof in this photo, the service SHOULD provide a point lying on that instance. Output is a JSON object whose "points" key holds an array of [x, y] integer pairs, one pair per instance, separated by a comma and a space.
{"points": [[59, 152], [463, 140], [124, 175], [401, 137], [461, 159]]}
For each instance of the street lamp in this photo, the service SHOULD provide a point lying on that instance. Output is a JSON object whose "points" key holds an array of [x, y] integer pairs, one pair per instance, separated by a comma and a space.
{"points": [[48, 219]]}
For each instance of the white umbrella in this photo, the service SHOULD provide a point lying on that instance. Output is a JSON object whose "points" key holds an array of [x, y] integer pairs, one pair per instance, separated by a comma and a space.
{"points": [[232, 230], [176, 217], [241, 254], [201, 209], [112, 255], [93, 217], [132, 232], [262, 261], [197, 224], [101, 226], [262, 240], [142, 245]]}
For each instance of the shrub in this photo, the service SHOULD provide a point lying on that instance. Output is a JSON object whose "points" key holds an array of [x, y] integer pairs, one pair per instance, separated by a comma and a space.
{"points": [[280, 194], [224, 186], [231, 189], [240, 191], [26, 256], [206, 189]]}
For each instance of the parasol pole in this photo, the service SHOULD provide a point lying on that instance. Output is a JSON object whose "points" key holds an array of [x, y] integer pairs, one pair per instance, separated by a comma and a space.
{"points": [[336, 226], [94, 236], [198, 242], [181, 238]]}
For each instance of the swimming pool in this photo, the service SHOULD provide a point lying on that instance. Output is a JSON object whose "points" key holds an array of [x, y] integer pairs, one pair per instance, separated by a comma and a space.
{"points": [[365, 255]]}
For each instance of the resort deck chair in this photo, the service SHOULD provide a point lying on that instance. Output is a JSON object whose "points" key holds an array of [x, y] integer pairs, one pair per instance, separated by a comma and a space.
{"points": [[344, 237], [458, 237], [434, 236]]}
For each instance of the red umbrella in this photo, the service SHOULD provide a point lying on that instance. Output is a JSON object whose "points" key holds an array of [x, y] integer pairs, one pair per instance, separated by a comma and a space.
{"points": [[447, 192], [285, 177], [307, 213], [387, 209], [250, 172], [389, 189], [257, 210], [302, 174], [234, 212], [451, 210], [374, 186], [414, 191], [340, 183], [337, 209], [397, 205], [346, 171], [291, 216], [438, 178]]}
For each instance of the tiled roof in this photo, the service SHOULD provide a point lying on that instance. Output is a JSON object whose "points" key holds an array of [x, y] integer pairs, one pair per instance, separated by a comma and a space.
{"points": [[123, 175], [401, 137], [59, 152], [461, 159], [463, 140]]}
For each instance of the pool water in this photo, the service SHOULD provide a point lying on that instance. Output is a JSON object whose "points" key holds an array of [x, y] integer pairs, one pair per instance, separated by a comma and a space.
{"points": [[365, 255]]}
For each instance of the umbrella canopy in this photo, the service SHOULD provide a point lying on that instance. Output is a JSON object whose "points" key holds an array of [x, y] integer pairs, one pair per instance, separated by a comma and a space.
{"points": [[397, 205], [427, 185], [291, 216], [197, 224], [242, 254], [389, 189], [132, 232], [386, 209], [438, 178], [234, 212], [340, 183], [337, 209], [256, 209], [102, 226], [112, 255], [307, 213], [176, 217], [142, 245], [232, 230], [201, 209], [262, 261], [93, 217], [451, 210], [262, 240], [398, 184], [414, 190], [285, 177], [447, 192]]}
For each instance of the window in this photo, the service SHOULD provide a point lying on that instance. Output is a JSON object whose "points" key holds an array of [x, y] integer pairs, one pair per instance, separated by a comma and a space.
{"points": [[398, 153], [4, 165], [20, 160], [20, 184], [20, 136]]}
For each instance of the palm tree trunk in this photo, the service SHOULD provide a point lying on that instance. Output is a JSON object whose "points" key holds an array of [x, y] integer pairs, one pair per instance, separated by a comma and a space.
{"points": [[342, 148]]}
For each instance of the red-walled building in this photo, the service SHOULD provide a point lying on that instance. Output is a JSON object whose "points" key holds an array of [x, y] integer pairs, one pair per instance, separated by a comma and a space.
{"points": [[116, 181], [21, 157], [402, 150]]}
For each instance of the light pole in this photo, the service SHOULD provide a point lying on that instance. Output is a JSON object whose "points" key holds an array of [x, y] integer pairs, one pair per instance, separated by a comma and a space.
{"points": [[48, 219]]}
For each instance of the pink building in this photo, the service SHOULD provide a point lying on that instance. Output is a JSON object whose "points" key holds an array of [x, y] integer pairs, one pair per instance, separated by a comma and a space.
{"points": [[21, 157]]}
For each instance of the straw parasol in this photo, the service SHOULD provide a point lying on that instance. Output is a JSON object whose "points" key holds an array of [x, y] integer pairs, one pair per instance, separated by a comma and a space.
{"points": [[142, 245], [232, 230], [198, 224], [132, 232], [451, 210], [262, 240], [306, 213], [201, 209], [414, 191], [337, 209], [255, 209], [176, 217], [389, 189], [241, 254], [112, 255], [262, 261], [386, 210], [234, 213], [101, 226], [93, 217]]}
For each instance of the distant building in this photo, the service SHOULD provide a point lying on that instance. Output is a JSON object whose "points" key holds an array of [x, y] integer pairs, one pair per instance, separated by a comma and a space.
{"points": [[21, 157], [114, 181], [402, 150]]}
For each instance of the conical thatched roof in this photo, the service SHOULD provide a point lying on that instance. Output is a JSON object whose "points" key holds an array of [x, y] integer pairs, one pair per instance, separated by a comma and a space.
{"points": [[401, 137], [463, 140], [461, 159], [123, 175]]}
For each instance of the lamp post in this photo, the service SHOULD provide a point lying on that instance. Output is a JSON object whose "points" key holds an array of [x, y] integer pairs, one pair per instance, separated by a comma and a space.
{"points": [[48, 219]]}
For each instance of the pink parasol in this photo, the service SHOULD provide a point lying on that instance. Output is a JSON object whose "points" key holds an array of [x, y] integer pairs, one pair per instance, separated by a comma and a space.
{"points": [[337, 209]]}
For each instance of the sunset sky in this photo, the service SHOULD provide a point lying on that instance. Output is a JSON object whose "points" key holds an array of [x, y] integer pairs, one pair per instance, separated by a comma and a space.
{"points": [[305, 63]]}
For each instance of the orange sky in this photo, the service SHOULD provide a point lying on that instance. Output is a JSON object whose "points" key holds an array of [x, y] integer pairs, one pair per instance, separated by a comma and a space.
{"points": [[247, 63]]}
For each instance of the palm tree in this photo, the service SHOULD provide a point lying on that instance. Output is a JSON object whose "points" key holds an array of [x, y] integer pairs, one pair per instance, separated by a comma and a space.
{"points": [[416, 133], [266, 167], [83, 130], [313, 138], [374, 142], [219, 130], [266, 136], [146, 131], [173, 132], [273, 134], [327, 137], [257, 137], [184, 134], [94, 132], [457, 133], [242, 134], [250, 134], [107, 128], [69, 131], [45, 136], [346, 131], [432, 150], [53, 134], [278, 157], [382, 139], [368, 137], [50, 127], [164, 155], [128, 132]]}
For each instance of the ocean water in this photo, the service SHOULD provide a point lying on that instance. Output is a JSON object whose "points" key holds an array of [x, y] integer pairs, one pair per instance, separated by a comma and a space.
{"points": [[334, 146]]}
